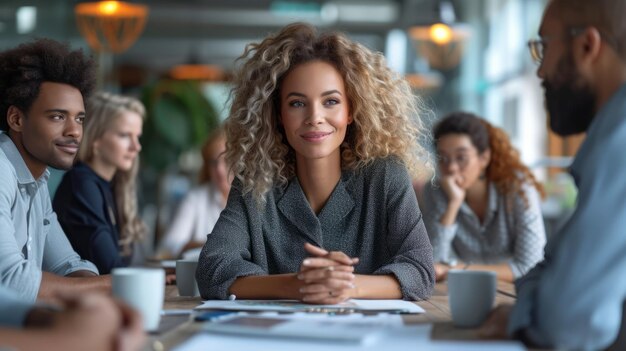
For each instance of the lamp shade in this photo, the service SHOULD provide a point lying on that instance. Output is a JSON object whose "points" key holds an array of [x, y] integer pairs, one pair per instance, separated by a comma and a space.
{"points": [[441, 44], [197, 72], [110, 26]]}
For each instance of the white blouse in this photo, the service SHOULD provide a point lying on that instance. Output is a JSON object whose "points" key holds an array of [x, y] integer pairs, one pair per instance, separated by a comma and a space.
{"points": [[195, 218]]}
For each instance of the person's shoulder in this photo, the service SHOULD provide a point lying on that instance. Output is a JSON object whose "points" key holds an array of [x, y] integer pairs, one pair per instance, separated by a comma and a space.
{"points": [[8, 176], [432, 195], [7, 171], [530, 200], [525, 184], [384, 166], [81, 178], [382, 173], [238, 193], [81, 170], [432, 188]]}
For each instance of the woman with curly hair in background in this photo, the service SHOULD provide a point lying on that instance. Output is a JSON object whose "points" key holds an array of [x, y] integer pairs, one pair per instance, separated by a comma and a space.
{"points": [[320, 138], [484, 213]]}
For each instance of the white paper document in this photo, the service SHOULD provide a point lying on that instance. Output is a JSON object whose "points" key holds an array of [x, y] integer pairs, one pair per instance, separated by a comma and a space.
{"points": [[396, 339], [362, 330], [350, 306], [382, 320]]}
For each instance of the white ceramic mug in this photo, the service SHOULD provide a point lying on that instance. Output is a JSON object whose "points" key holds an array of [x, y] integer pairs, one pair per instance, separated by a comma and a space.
{"points": [[471, 295], [186, 278], [143, 289]]}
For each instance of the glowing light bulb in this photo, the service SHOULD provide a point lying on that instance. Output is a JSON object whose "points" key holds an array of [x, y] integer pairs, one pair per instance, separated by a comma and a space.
{"points": [[440, 33], [108, 7]]}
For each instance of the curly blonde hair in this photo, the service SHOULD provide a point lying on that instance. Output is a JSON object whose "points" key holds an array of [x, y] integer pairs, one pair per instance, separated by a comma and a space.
{"points": [[384, 109], [505, 170], [103, 109]]}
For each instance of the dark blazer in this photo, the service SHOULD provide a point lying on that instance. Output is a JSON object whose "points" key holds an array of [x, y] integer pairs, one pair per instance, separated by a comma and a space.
{"points": [[372, 214], [86, 209]]}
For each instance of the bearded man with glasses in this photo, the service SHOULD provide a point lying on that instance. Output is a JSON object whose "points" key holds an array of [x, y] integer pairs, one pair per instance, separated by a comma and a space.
{"points": [[574, 299]]}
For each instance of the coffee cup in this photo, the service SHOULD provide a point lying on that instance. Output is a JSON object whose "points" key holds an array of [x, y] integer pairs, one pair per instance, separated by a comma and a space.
{"points": [[186, 278], [471, 295], [143, 289]]}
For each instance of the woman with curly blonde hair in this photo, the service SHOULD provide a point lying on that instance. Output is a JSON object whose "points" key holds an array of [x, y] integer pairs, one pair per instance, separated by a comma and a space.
{"points": [[319, 138], [485, 210], [96, 202]]}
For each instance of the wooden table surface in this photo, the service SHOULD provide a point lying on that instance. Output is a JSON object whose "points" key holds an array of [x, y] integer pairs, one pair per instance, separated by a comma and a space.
{"points": [[175, 329]]}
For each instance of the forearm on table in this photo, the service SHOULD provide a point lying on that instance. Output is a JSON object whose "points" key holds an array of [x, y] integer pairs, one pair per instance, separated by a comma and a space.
{"points": [[276, 286], [40, 339], [26, 340], [376, 287], [287, 286], [79, 281]]}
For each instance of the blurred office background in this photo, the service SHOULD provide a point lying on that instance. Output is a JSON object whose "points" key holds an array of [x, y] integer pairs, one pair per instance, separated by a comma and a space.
{"points": [[177, 56]]}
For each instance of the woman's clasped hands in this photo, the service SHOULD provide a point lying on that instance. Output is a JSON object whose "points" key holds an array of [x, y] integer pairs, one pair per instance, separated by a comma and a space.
{"points": [[327, 277]]}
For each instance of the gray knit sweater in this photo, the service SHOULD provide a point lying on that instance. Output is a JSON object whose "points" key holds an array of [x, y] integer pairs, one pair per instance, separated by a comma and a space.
{"points": [[372, 214]]}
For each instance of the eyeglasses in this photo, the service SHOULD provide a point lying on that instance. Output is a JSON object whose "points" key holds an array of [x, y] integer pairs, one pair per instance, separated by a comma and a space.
{"points": [[537, 47], [461, 160]]}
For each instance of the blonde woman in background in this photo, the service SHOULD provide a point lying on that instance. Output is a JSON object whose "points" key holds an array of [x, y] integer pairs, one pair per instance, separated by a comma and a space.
{"points": [[202, 206], [96, 202], [321, 137]]}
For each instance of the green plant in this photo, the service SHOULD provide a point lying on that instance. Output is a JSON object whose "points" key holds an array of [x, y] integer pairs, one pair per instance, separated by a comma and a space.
{"points": [[179, 118]]}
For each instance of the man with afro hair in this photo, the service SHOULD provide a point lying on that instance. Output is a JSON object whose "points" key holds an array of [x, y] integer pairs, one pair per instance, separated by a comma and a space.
{"points": [[43, 85]]}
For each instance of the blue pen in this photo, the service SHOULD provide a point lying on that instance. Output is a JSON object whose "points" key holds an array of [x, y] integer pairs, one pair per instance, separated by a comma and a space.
{"points": [[212, 315]]}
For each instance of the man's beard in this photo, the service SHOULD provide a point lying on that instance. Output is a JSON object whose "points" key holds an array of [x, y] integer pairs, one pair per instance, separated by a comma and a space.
{"points": [[569, 100]]}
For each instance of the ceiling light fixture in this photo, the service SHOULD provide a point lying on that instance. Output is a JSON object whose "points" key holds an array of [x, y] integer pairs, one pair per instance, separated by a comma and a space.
{"points": [[110, 26], [197, 72], [442, 42]]}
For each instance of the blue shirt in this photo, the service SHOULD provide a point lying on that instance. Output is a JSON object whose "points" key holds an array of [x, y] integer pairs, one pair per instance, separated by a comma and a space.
{"points": [[31, 239], [573, 299], [14, 310], [86, 209]]}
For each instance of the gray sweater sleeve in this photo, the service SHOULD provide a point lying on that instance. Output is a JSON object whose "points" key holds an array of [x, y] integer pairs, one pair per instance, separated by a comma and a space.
{"points": [[412, 256], [227, 255]]}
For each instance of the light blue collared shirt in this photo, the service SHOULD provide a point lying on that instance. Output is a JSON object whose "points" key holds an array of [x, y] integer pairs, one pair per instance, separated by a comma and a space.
{"points": [[573, 299], [31, 239], [14, 310]]}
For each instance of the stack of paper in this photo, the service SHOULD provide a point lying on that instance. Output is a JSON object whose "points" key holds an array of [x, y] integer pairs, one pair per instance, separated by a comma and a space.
{"points": [[353, 328], [350, 306]]}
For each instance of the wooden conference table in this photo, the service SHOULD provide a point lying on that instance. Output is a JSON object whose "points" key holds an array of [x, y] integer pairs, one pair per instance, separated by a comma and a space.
{"points": [[176, 328]]}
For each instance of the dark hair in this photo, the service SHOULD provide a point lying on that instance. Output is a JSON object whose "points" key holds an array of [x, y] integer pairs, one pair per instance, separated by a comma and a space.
{"points": [[24, 68], [467, 124], [605, 15], [505, 169]]}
